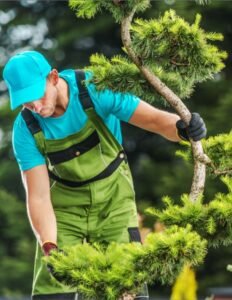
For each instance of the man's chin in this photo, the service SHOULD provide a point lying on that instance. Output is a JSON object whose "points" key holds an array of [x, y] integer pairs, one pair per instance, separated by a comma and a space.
{"points": [[46, 115]]}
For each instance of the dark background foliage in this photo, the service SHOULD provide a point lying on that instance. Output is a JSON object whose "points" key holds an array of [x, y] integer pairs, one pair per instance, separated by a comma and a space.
{"points": [[52, 28]]}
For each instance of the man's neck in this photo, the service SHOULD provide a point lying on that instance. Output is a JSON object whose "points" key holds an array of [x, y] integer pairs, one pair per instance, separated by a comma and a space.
{"points": [[62, 97]]}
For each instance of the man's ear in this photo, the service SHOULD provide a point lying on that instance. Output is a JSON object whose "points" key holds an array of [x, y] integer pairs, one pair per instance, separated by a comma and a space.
{"points": [[53, 76]]}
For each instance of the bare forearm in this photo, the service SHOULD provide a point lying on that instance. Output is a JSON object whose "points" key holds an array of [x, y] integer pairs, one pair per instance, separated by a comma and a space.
{"points": [[155, 120], [42, 219], [165, 124], [39, 206]]}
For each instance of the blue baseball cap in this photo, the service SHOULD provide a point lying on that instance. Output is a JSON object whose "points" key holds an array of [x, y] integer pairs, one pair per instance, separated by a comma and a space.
{"points": [[25, 75]]}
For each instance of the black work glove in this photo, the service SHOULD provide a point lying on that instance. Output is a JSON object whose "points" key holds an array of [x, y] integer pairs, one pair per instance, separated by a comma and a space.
{"points": [[196, 129]]}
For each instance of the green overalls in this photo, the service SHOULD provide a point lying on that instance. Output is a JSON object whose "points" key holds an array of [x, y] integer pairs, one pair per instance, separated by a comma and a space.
{"points": [[91, 191]]}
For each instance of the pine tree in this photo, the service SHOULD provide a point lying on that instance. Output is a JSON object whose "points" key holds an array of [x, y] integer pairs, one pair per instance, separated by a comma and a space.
{"points": [[160, 54]]}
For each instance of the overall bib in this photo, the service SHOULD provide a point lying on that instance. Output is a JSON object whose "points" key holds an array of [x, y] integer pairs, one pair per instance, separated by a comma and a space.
{"points": [[92, 191]]}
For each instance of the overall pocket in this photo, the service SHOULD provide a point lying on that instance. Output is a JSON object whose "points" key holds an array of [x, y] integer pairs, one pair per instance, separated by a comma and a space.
{"points": [[81, 161]]}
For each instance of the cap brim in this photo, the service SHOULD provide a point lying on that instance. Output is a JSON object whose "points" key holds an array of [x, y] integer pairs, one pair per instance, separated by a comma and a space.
{"points": [[28, 94]]}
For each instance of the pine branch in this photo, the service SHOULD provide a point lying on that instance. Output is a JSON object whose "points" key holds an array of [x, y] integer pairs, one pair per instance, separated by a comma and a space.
{"points": [[224, 172], [177, 52], [177, 46], [118, 8], [219, 154], [211, 221], [108, 273], [120, 75]]}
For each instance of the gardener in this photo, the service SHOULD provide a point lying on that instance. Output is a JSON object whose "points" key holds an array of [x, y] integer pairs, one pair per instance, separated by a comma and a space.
{"points": [[67, 141]]}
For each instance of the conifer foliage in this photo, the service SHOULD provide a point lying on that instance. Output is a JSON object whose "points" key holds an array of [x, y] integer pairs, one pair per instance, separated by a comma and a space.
{"points": [[119, 9], [212, 221], [180, 54], [108, 273], [219, 150]]}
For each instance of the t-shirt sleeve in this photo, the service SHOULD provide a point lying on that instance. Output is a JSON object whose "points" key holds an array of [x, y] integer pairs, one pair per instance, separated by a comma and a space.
{"points": [[25, 150], [121, 105]]}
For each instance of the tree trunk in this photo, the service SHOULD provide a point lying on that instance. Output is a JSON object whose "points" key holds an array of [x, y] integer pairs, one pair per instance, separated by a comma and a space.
{"points": [[200, 159]]}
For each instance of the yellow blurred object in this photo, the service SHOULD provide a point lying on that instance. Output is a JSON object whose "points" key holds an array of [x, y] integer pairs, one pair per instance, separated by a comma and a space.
{"points": [[185, 287]]}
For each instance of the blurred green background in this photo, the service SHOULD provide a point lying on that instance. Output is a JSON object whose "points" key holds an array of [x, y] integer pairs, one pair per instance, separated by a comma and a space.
{"points": [[52, 28]]}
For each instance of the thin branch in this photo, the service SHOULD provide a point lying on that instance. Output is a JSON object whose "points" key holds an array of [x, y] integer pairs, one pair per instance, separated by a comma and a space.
{"points": [[179, 64], [214, 170], [224, 172]]}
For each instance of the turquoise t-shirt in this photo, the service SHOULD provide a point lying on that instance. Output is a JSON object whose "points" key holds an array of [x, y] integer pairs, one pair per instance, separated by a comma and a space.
{"points": [[111, 107]]}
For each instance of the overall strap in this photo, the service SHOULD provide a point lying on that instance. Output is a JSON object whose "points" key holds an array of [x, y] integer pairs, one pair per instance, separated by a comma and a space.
{"points": [[31, 122], [34, 128], [84, 96]]}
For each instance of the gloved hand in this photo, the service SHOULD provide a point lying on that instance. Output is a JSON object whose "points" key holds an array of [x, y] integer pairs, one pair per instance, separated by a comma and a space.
{"points": [[47, 247], [196, 129]]}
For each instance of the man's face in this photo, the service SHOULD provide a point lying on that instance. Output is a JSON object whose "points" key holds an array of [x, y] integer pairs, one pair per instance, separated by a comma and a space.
{"points": [[46, 105]]}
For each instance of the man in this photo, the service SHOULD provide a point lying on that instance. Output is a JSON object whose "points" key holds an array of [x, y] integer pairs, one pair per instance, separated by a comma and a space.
{"points": [[67, 141]]}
